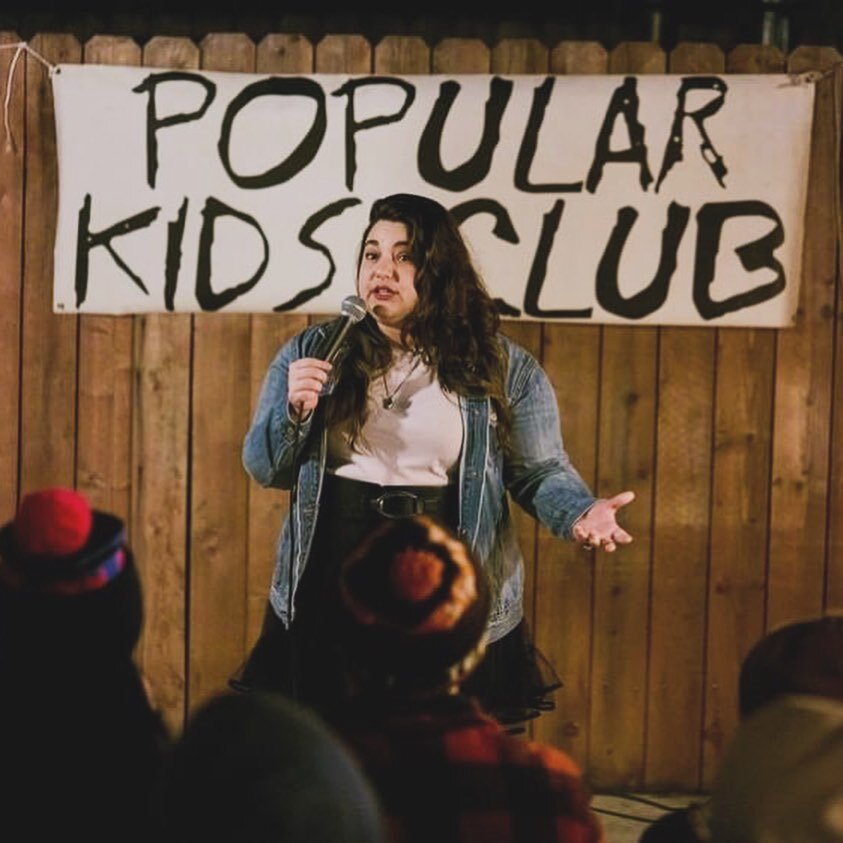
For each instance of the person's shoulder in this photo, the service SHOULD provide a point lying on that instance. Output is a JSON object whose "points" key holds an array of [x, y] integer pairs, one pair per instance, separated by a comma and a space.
{"points": [[304, 341], [515, 349], [522, 365], [553, 759]]}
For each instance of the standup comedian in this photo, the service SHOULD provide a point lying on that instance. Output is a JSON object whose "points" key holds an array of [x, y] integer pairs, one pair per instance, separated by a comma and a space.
{"points": [[429, 408]]}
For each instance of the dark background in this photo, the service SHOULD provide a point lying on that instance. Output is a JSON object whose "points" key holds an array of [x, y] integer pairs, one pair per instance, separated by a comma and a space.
{"points": [[785, 24]]}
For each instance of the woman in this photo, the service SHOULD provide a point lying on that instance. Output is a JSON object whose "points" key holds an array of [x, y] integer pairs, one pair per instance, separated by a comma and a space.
{"points": [[429, 410]]}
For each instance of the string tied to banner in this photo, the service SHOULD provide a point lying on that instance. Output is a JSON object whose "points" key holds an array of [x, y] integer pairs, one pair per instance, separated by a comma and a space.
{"points": [[20, 47], [811, 77]]}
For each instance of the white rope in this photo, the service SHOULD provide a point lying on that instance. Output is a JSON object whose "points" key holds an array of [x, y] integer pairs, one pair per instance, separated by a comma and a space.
{"points": [[810, 77], [19, 47]]}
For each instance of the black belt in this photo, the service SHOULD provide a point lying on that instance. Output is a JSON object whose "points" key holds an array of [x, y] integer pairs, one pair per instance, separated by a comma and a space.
{"points": [[358, 499]]}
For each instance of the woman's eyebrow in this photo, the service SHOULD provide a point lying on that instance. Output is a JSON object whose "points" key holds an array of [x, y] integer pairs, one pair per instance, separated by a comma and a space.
{"points": [[397, 243]]}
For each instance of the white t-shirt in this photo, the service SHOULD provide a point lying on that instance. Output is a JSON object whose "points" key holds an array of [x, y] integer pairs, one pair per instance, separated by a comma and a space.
{"points": [[416, 442]]}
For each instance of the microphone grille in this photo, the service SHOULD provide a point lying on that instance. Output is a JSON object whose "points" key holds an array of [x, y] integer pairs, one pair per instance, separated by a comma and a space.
{"points": [[354, 308]]}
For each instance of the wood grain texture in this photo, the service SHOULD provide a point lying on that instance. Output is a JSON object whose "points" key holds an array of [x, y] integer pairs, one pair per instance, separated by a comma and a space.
{"points": [[834, 565], [625, 457], [461, 55], [803, 383], [579, 57], [402, 54], [344, 54], [564, 591], [12, 152], [160, 469], [49, 357], [682, 506], [743, 406]]}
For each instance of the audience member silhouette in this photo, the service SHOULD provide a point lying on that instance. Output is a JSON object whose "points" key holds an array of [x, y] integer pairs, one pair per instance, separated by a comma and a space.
{"points": [[415, 607], [781, 780], [80, 743], [796, 671], [262, 768]]}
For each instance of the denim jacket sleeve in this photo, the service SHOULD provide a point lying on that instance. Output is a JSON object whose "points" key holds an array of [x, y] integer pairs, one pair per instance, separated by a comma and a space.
{"points": [[274, 439], [538, 473]]}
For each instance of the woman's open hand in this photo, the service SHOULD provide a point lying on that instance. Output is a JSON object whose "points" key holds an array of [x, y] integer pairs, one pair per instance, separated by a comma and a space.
{"points": [[599, 528]]}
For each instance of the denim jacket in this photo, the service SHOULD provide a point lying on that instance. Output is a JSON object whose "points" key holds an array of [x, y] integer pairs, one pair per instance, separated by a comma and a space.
{"points": [[535, 472]]}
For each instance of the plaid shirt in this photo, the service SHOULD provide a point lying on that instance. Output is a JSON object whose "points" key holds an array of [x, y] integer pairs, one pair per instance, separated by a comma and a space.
{"points": [[448, 773]]}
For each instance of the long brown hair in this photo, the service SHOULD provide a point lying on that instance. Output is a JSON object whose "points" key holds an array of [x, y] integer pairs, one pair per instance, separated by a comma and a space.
{"points": [[454, 326]]}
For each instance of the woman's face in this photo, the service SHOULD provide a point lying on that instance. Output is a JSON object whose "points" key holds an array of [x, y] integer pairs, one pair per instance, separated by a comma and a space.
{"points": [[386, 279]]}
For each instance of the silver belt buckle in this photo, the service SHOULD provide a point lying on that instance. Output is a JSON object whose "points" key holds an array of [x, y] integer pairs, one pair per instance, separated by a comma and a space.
{"points": [[410, 504]]}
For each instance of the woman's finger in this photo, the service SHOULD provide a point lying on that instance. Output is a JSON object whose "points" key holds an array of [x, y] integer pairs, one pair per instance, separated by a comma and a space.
{"points": [[621, 536], [622, 499]]}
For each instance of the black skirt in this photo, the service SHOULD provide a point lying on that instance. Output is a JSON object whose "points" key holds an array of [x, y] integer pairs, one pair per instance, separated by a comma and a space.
{"points": [[514, 682]]}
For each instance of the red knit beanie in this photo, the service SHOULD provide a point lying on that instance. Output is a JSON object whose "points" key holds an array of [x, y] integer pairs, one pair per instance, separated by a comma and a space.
{"points": [[57, 544], [415, 603], [53, 522], [69, 589]]}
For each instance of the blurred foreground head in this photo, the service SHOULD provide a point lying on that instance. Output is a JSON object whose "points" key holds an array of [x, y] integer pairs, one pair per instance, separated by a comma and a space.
{"points": [[260, 768], [781, 780], [802, 657], [415, 605]]}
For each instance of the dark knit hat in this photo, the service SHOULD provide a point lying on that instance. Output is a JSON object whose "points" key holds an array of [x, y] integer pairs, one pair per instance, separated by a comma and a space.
{"points": [[67, 579], [415, 604], [260, 767], [801, 657]]}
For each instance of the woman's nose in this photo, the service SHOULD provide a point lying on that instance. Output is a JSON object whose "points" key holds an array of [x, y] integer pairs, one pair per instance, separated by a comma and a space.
{"points": [[384, 268]]}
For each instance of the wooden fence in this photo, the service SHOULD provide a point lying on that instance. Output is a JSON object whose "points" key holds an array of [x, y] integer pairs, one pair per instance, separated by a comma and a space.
{"points": [[728, 436]]}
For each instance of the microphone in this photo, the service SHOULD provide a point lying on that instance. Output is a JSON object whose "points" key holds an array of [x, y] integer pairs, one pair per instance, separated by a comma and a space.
{"points": [[353, 310]]}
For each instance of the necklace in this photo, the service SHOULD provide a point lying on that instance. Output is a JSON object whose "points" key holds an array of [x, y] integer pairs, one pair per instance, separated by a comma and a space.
{"points": [[389, 397]]}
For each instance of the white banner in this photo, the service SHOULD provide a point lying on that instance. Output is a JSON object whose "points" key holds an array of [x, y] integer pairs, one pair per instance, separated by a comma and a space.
{"points": [[661, 200]]}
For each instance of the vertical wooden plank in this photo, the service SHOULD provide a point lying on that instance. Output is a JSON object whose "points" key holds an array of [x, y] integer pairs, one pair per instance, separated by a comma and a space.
{"points": [[104, 437], [834, 567], [565, 573], [461, 55], [625, 460], [803, 386], [740, 492], [343, 54], [512, 56], [402, 54], [12, 151], [681, 539], [268, 508], [48, 396], [220, 411], [160, 448]]}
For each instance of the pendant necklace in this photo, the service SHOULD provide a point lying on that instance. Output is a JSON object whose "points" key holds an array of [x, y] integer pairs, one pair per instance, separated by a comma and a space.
{"points": [[389, 397]]}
